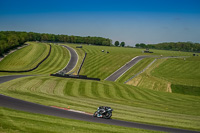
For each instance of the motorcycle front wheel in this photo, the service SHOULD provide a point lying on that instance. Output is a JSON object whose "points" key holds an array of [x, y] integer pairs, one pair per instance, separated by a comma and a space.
{"points": [[95, 114]]}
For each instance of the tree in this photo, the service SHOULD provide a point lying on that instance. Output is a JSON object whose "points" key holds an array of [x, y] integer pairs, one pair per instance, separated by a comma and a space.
{"points": [[137, 45], [106, 43], [122, 44], [142, 45], [117, 43]]}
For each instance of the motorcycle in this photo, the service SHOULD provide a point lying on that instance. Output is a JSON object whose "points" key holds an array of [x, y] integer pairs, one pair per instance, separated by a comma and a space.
{"points": [[103, 112]]}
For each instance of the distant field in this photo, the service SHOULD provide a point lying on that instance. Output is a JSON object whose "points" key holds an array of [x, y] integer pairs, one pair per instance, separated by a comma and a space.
{"points": [[129, 103], [25, 58], [170, 74], [184, 75], [101, 64], [180, 71]]}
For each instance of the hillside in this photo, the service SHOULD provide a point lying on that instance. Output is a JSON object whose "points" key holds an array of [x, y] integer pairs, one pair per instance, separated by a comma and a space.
{"points": [[176, 75], [56, 61], [138, 102], [26, 58]]}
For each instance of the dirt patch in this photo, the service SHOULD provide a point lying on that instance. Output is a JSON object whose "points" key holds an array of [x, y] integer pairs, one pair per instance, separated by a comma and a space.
{"points": [[169, 89], [134, 81]]}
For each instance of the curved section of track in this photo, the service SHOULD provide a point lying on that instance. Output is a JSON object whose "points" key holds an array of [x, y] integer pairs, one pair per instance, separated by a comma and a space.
{"points": [[18, 104], [73, 60]]}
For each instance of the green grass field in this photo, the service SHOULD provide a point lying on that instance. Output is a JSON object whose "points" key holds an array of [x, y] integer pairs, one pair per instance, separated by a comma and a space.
{"points": [[166, 74], [57, 60], [178, 71], [138, 101], [129, 103]]}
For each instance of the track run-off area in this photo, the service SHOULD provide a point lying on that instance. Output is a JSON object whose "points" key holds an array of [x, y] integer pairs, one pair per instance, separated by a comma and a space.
{"points": [[14, 103]]}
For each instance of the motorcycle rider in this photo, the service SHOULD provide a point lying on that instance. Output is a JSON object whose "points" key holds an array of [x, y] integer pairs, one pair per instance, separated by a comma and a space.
{"points": [[101, 110]]}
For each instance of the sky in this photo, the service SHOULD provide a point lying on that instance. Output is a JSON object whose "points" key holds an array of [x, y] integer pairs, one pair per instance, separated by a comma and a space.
{"points": [[131, 21]]}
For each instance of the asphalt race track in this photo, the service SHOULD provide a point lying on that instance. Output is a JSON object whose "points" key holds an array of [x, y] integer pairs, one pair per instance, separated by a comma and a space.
{"points": [[7, 78], [73, 60], [18, 104], [124, 68]]}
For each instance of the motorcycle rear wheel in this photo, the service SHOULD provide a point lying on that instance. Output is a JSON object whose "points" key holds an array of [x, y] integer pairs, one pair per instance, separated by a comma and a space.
{"points": [[107, 115]]}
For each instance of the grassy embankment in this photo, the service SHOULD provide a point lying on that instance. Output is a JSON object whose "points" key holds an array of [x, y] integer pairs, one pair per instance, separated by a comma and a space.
{"points": [[25, 58], [184, 75], [31, 55], [173, 75], [129, 103]]}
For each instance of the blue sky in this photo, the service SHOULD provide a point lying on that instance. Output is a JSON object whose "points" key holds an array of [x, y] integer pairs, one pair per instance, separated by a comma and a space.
{"points": [[132, 21]]}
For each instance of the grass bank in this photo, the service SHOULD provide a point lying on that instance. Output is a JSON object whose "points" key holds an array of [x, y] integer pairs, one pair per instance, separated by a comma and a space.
{"points": [[129, 103], [25, 58], [57, 60]]}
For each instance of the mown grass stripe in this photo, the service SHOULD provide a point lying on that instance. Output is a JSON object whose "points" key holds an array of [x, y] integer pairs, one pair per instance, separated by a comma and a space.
{"points": [[94, 89], [81, 89], [68, 88], [118, 92]]}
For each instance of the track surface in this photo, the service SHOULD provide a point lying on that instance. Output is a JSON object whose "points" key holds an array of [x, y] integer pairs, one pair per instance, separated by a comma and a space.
{"points": [[18, 104], [8, 78], [124, 68], [72, 62]]}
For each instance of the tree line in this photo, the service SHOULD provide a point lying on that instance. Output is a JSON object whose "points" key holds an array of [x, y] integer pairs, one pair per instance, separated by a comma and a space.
{"points": [[175, 46], [12, 39]]}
